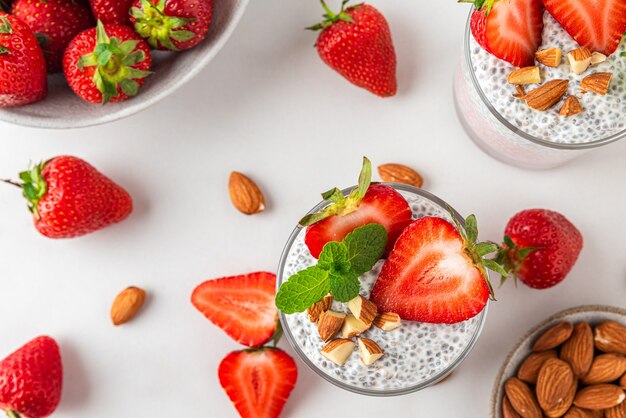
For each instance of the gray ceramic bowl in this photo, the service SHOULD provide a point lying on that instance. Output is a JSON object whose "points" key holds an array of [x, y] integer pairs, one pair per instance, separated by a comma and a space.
{"points": [[593, 314], [63, 109]]}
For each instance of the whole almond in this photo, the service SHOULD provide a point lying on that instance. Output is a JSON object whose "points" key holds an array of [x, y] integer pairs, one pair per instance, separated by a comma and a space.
{"points": [[556, 387], [576, 412], [127, 304], [610, 337], [245, 194], [618, 411], [522, 398], [578, 350], [546, 95], [605, 368], [507, 409], [622, 382], [529, 370], [398, 173], [554, 336], [603, 396]]}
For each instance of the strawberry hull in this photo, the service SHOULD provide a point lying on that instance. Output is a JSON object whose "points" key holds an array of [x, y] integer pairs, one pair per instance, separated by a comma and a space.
{"points": [[408, 364]]}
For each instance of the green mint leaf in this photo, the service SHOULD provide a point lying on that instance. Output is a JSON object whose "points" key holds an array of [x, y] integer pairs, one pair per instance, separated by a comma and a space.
{"points": [[484, 248], [471, 229], [365, 245], [302, 290], [344, 287], [334, 258]]}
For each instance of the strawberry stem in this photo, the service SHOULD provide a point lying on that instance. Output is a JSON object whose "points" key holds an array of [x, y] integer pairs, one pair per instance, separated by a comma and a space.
{"points": [[11, 182], [12, 414], [330, 17]]}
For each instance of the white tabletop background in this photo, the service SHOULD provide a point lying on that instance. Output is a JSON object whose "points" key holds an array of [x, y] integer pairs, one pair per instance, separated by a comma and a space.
{"points": [[268, 107]]}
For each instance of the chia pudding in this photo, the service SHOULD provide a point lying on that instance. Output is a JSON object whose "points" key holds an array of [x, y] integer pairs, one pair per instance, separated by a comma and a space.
{"points": [[506, 128], [416, 355]]}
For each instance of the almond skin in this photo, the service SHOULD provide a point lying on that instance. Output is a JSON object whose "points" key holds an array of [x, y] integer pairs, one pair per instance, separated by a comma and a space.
{"points": [[507, 409], [398, 173], [127, 304], [245, 194], [556, 387], [554, 336], [603, 396], [605, 368], [547, 95], [618, 411], [610, 337], [596, 83], [529, 370], [578, 350], [320, 307], [571, 107], [576, 412], [522, 398], [550, 57]]}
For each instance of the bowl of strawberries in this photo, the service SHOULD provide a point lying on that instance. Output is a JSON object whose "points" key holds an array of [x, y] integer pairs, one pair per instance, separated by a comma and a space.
{"points": [[77, 63]]}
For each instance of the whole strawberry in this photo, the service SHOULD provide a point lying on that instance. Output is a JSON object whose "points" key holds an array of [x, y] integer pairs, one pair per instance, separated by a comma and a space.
{"points": [[55, 23], [31, 380], [174, 25], [356, 42], [108, 63], [69, 198], [540, 247], [22, 65], [111, 11]]}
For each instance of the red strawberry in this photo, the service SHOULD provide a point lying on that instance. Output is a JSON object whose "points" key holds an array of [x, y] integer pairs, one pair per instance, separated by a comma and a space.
{"points": [[70, 198], [376, 203], [509, 29], [243, 306], [31, 379], [598, 25], [435, 273], [356, 42], [258, 382], [22, 65], [112, 11], [55, 23], [541, 247], [108, 63], [175, 25]]}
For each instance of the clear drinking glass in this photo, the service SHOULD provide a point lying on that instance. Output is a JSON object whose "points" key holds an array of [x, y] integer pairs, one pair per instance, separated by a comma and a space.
{"points": [[500, 138], [417, 355]]}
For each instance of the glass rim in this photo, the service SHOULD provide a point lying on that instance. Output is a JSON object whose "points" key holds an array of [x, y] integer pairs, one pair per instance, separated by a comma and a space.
{"points": [[365, 391], [556, 145]]}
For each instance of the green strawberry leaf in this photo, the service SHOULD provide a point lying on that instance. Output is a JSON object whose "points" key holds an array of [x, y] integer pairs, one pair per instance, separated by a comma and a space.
{"points": [[344, 287], [302, 290], [365, 245], [484, 248]]}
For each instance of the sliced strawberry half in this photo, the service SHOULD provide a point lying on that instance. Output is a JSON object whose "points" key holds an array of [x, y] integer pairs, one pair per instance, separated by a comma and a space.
{"points": [[243, 306], [368, 203], [258, 382], [599, 25], [436, 273], [509, 29]]}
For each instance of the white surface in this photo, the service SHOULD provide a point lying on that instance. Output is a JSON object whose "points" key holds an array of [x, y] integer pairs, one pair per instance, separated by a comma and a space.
{"points": [[268, 107]]}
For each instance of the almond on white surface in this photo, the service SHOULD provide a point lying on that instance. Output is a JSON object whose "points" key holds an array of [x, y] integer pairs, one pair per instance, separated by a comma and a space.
{"points": [[387, 321], [597, 58], [369, 350], [338, 350]]}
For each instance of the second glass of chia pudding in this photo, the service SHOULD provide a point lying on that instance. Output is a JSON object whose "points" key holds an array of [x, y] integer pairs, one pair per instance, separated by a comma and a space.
{"points": [[373, 350], [588, 109]]}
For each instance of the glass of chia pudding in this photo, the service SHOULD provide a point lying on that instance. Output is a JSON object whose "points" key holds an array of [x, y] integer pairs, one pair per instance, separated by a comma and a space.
{"points": [[416, 354], [507, 128]]}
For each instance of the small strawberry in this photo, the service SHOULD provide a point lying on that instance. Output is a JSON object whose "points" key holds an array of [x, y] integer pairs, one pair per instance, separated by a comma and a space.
{"points": [[243, 306], [108, 63], [436, 273], [112, 11], [509, 29], [356, 42], [258, 381], [598, 25], [22, 64], [540, 247], [31, 380], [368, 203], [69, 198], [55, 23], [175, 25]]}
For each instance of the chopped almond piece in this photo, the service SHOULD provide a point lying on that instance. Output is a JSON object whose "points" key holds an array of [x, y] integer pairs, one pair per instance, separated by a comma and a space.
{"points": [[525, 75], [580, 59], [571, 107], [370, 351], [338, 350], [596, 83], [550, 57]]}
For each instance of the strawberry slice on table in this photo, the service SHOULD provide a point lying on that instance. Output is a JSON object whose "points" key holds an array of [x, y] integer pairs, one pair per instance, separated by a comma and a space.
{"points": [[243, 306], [599, 25], [31, 380], [258, 381], [540, 247], [436, 273], [368, 203], [509, 29]]}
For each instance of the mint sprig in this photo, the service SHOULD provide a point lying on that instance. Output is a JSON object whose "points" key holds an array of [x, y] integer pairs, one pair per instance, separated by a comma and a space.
{"points": [[337, 271]]}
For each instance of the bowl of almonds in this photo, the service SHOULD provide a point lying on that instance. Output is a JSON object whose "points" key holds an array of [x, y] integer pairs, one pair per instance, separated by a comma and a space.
{"points": [[572, 365]]}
